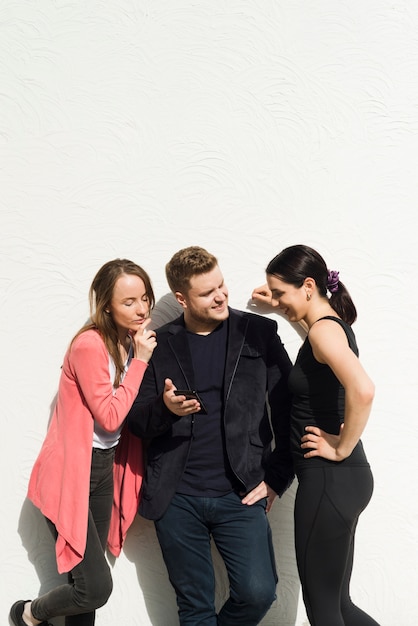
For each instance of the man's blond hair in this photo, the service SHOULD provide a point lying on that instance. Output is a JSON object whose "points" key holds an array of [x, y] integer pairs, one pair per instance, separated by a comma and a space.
{"points": [[187, 263]]}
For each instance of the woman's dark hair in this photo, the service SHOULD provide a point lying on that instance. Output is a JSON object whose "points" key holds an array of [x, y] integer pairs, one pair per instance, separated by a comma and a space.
{"points": [[100, 296], [295, 263]]}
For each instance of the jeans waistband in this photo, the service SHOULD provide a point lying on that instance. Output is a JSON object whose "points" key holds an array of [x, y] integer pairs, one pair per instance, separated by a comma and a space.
{"points": [[104, 451]]}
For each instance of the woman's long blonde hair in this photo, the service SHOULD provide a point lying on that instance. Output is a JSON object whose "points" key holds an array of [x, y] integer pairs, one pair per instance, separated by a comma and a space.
{"points": [[100, 297]]}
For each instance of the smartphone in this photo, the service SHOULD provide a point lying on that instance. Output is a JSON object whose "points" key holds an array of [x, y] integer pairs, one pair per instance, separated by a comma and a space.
{"points": [[191, 395]]}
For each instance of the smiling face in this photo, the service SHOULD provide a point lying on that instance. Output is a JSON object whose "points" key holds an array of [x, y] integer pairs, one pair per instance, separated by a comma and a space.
{"points": [[290, 299], [129, 306], [205, 303]]}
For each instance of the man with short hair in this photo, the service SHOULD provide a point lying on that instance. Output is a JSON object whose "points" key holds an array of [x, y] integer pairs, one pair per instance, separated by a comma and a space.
{"points": [[210, 469]]}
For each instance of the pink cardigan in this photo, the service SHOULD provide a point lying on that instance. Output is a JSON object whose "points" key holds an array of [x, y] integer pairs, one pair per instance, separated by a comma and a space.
{"points": [[60, 480]]}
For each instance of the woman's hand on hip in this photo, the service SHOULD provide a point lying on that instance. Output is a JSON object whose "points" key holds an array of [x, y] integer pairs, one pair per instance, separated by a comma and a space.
{"points": [[320, 443]]}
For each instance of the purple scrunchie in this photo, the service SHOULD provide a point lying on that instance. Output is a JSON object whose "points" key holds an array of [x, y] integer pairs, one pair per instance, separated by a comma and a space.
{"points": [[333, 280]]}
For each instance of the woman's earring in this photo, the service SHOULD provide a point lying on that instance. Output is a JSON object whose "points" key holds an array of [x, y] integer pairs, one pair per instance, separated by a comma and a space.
{"points": [[308, 296]]}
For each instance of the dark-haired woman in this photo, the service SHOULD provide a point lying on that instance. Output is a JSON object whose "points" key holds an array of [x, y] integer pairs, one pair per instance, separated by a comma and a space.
{"points": [[81, 480], [332, 399]]}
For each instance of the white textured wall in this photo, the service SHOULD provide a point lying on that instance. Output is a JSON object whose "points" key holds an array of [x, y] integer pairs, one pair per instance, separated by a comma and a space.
{"points": [[135, 127]]}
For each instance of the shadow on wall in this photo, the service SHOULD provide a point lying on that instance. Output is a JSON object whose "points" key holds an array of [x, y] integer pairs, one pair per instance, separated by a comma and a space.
{"points": [[165, 310], [141, 545], [39, 544]]}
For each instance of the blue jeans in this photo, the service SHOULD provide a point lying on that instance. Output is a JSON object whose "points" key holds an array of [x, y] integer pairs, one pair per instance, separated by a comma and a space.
{"points": [[243, 537]]}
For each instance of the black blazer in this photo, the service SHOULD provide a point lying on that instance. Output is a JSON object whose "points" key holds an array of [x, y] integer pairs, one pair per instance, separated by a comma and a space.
{"points": [[255, 384]]}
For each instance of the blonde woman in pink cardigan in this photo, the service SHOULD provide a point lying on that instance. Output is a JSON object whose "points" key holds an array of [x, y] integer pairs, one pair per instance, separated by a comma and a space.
{"points": [[82, 481]]}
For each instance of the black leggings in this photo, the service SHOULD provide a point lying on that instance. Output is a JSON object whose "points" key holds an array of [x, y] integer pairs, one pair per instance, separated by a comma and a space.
{"points": [[329, 501], [90, 582]]}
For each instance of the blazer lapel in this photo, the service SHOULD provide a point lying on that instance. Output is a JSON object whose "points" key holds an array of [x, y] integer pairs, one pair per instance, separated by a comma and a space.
{"points": [[181, 352], [237, 332]]}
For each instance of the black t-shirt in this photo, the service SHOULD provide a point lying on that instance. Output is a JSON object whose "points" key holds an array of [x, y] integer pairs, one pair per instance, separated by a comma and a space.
{"points": [[206, 472]]}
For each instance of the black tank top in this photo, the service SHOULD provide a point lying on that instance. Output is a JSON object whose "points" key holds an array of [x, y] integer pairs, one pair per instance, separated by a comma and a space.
{"points": [[318, 400]]}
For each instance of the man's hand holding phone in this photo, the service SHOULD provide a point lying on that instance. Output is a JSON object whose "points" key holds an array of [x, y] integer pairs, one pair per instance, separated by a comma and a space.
{"points": [[181, 401]]}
